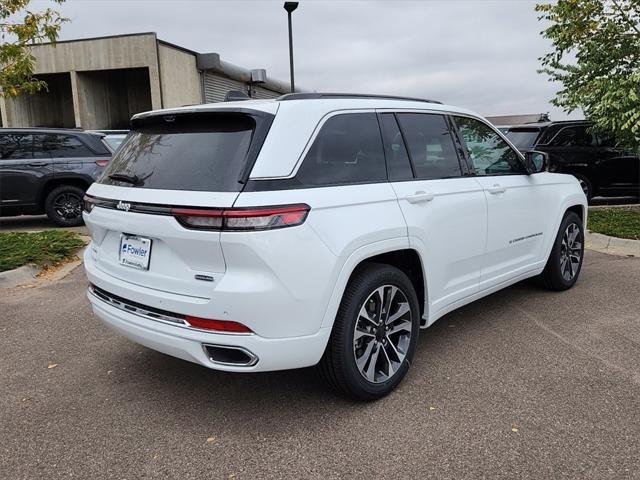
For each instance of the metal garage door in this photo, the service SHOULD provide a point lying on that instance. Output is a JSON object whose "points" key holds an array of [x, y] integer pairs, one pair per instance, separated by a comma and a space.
{"points": [[217, 86], [261, 92]]}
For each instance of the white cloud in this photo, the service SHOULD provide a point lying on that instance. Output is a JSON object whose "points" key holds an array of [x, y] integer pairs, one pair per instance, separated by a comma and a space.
{"points": [[478, 54]]}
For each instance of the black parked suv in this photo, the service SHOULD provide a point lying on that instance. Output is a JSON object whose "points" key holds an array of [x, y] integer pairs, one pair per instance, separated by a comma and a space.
{"points": [[603, 169], [48, 170]]}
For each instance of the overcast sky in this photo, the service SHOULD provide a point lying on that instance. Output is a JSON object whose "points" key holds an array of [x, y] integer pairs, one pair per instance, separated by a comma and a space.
{"points": [[478, 54]]}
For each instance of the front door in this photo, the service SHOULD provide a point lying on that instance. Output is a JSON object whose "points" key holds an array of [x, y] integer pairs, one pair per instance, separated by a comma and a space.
{"points": [[518, 218], [446, 212]]}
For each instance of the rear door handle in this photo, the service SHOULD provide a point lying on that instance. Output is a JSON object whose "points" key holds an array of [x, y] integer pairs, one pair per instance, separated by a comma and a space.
{"points": [[419, 197], [37, 164], [496, 188]]}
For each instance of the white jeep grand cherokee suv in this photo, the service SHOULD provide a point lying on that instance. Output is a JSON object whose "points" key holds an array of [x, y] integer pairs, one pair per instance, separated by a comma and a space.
{"points": [[318, 229]]}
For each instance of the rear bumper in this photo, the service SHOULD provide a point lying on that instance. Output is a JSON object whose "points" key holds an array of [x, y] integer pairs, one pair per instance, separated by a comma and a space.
{"points": [[188, 344]]}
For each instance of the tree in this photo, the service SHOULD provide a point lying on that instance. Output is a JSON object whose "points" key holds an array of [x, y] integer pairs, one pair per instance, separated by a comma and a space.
{"points": [[596, 58], [19, 29]]}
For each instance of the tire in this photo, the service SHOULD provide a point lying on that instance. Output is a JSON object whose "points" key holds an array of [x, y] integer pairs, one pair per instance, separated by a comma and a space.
{"points": [[339, 366], [563, 261], [63, 205], [586, 185]]}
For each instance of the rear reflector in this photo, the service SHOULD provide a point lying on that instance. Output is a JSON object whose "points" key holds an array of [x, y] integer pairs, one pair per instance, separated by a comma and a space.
{"points": [[217, 325], [242, 219], [102, 163]]}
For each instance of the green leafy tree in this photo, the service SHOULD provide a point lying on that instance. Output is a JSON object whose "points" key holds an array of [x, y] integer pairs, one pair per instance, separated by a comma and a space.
{"points": [[596, 58], [19, 29]]}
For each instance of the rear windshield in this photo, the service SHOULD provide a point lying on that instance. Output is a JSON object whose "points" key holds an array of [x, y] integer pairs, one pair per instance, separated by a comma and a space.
{"points": [[203, 152], [523, 139]]}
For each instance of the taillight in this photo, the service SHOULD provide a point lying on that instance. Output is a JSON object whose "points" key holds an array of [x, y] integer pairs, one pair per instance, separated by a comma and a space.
{"points": [[102, 163], [217, 325], [242, 219], [88, 203], [199, 218]]}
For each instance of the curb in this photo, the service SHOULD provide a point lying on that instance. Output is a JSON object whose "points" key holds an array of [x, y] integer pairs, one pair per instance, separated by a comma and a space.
{"points": [[612, 245], [604, 207], [29, 274], [19, 276]]}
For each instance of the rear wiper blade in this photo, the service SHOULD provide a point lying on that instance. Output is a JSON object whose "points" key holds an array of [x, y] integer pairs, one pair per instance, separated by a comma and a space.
{"points": [[123, 177]]}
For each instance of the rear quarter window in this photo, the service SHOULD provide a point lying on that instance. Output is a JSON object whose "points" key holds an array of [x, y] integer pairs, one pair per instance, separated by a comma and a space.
{"points": [[348, 149]]}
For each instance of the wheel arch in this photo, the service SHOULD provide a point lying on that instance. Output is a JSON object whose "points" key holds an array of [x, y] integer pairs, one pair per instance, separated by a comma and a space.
{"points": [[578, 210], [55, 182], [395, 253], [574, 203]]}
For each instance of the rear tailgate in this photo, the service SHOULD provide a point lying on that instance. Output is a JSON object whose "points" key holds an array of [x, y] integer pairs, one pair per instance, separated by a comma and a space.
{"points": [[189, 161], [175, 254]]}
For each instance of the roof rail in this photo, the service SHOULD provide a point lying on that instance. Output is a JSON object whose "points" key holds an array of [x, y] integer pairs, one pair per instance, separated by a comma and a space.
{"points": [[315, 96]]}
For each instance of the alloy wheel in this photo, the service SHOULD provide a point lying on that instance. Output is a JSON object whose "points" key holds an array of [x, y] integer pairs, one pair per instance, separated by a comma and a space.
{"points": [[68, 206], [570, 252], [382, 333]]}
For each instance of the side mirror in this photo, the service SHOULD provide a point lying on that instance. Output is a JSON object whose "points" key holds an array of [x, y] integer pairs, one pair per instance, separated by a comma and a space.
{"points": [[536, 162]]}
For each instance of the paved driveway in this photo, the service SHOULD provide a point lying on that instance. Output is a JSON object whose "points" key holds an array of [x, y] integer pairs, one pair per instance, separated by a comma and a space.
{"points": [[25, 223], [523, 384]]}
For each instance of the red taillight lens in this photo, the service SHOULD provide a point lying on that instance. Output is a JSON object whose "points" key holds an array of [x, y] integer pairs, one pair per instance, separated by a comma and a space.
{"points": [[217, 325], [102, 163], [198, 218], [243, 219]]}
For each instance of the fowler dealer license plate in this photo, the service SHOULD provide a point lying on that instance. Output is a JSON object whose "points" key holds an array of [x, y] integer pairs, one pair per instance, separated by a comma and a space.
{"points": [[135, 251]]}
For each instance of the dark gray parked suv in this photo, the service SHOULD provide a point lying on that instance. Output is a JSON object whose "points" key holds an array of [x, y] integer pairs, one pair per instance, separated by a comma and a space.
{"points": [[44, 170]]}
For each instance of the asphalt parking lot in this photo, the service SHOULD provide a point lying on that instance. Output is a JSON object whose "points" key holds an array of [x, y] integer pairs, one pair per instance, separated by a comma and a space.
{"points": [[522, 384], [25, 223]]}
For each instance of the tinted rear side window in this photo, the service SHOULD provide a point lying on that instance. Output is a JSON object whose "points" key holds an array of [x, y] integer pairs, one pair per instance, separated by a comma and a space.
{"points": [[431, 146], [348, 149], [398, 163], [577, 136], [60, 146], [15, 146], [202, 152]]}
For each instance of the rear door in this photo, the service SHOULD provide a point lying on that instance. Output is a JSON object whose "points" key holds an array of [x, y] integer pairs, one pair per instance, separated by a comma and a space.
{"points": [[445, 210], [520, 210], [189, 161], [617, 169], [71, 156], [354, 211], [20, 173]]}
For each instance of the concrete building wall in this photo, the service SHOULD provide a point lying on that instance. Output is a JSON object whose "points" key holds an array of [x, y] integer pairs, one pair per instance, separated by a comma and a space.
{"points": [[50, 108], [99, 83], [179, 77], [127, 51]]}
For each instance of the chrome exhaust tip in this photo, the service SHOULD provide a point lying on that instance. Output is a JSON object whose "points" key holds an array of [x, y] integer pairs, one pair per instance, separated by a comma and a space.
{"points": [[230, 355]]}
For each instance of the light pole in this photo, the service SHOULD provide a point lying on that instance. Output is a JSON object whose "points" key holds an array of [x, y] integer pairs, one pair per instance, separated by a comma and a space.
{"points": [[290, 7]]}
